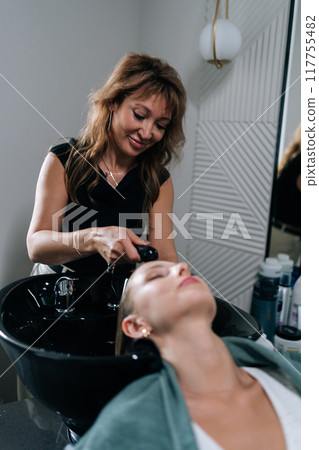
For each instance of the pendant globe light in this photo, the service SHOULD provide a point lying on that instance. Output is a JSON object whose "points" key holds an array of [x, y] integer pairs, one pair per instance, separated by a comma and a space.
{"points": [[220, 40]]}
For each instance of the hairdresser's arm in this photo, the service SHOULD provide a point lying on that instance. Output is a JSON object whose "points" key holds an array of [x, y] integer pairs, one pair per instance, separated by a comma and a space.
{"points": [[51, 246], [161, 225]]}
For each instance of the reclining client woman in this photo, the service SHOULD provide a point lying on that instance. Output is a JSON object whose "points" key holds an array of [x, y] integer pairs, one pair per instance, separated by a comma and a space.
{"points": [[210, 393]]}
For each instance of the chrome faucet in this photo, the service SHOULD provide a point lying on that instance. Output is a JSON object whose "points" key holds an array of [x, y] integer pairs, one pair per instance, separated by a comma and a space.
{"points": [[64, 294]]}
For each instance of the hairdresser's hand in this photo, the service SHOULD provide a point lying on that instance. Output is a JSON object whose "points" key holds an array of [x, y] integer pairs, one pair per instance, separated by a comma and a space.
{"points": [[116, 244]]}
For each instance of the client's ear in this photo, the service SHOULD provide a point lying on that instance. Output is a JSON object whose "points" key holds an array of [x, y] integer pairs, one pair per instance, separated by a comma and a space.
{"points": [[133, 326]]}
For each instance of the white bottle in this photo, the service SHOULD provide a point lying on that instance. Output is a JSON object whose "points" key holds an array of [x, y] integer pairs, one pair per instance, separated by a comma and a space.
{"points": [[294, 319]]}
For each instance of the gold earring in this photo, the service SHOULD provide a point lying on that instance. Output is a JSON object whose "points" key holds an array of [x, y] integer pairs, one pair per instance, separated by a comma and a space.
{"points": [[145, 333], [109, 121]]}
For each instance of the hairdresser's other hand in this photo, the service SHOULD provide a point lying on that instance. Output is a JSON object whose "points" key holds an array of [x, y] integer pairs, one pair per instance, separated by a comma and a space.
{"points": [[116, 244]]}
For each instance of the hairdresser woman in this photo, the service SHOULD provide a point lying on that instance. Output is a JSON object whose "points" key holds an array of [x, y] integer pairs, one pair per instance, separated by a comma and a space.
{"points": [[209, 394], [114, 168]]}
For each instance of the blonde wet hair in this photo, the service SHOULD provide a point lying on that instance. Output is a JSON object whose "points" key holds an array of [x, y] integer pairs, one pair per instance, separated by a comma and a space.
{"points": [[122, 342]]}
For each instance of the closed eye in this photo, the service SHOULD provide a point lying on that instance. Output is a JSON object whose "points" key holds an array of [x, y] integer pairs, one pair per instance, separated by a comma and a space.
{"points": [[138, 117], [161, 127], [155, 276], [159, 272], [141, 118]]}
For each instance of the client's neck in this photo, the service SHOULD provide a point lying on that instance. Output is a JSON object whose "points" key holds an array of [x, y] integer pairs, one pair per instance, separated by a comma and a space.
{"points": [[201, 360]]}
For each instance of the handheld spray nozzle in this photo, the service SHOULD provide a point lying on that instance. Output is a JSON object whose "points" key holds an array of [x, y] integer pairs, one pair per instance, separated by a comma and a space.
{"points": [[146, 253]]}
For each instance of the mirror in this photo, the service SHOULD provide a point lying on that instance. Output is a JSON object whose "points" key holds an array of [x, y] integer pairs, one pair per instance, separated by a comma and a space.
{"points": [[284, 234]]}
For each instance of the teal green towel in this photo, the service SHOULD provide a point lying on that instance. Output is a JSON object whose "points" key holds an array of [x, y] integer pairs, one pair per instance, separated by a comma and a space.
{"points": [[151, 414], [251, 354], [148, 414]]}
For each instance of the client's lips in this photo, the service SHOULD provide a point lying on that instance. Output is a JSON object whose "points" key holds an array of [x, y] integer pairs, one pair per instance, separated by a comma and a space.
{"points": [[187, 281]]}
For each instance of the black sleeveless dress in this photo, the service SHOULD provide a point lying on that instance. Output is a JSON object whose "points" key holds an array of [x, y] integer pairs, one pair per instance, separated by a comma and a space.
{"points": [[288, 196], [106, 207]]}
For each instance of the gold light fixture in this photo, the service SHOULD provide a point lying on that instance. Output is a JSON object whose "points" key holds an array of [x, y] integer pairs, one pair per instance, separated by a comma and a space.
{"points": [[220, 40]]}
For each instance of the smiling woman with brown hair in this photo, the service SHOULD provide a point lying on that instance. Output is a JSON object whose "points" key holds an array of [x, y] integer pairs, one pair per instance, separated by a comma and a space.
{"points": [[211, 393], [116, 166]]}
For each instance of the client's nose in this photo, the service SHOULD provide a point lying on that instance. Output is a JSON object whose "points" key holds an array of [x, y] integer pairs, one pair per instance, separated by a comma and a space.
{"points": [[181, 269]]}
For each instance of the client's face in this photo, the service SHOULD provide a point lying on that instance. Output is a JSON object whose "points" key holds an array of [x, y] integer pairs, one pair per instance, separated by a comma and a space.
{"points": [[163, 292]]}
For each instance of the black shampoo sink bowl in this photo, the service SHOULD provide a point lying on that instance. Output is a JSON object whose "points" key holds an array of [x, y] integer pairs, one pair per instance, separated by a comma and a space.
{"points": [[67, 360]]}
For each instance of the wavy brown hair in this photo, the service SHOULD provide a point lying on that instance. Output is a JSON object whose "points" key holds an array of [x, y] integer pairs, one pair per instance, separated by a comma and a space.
{"points": [[292, 151], [133, 72]]}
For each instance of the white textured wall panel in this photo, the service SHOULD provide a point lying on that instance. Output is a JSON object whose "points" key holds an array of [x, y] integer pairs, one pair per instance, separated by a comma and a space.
{"points": [[224, 263], [245, 89], [235, 149]]}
